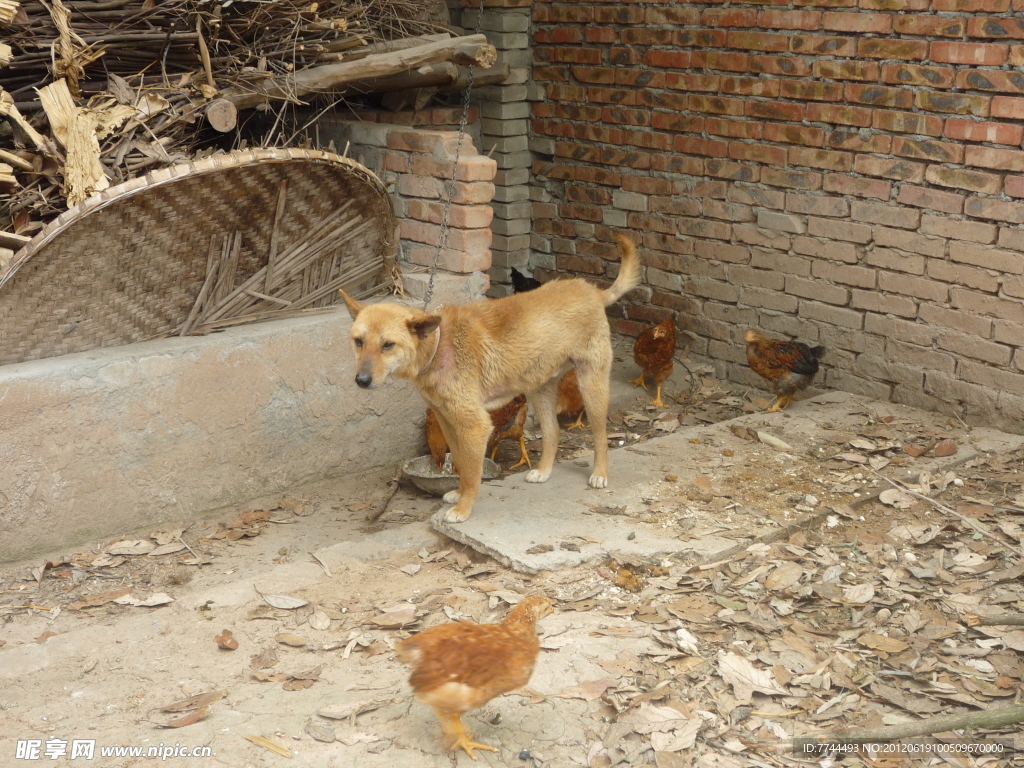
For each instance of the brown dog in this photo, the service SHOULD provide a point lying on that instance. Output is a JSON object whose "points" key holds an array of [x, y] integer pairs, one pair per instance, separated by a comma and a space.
{"points": [[468, 359]]}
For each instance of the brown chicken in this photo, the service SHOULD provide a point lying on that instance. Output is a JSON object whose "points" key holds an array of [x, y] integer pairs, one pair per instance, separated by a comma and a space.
{"points": [[653, 352], [570, 401], [789, 366], [508, 421], [460, 666]]}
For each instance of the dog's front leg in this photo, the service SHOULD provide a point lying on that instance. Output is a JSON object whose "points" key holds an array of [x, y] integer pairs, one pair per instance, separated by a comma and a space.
{"points": [[545, 408], [473, 430]]}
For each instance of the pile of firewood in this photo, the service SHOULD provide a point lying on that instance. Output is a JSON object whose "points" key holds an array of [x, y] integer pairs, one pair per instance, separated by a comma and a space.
{"points": [[95, 93]]}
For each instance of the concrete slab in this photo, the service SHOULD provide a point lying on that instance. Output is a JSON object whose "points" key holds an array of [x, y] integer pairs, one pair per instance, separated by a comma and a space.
{"points": [[702, 493], [109, 441]]}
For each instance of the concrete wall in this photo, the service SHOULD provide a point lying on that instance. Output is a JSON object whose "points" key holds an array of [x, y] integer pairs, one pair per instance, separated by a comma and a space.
{"points": [[846, 172], [107, 442]]}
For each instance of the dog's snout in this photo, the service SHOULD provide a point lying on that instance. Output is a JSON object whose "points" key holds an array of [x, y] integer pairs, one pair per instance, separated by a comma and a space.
{"points": [[364, 380]]}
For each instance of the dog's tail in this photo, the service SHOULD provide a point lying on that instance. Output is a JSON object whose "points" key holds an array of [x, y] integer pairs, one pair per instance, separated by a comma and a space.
{"points": [[629, 272]]}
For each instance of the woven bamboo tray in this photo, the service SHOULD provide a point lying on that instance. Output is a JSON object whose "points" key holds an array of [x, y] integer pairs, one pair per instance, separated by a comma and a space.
{"points": [[193, 247]]}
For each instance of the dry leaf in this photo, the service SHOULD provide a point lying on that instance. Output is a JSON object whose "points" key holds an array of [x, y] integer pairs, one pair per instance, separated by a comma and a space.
{"points": [[396, 619], [264, 660], [882, 643], [296, 641], [160, 598], [195, 702], [297, 685], [894, 497], [192, 717], [285, 602], [92, 601], [167, 549], [859, 594], [745, 678], [267, 744], [588, 691], [319, 620], [945, 447], [226, 640], [320, 732], [131, 547], [785, 576]]}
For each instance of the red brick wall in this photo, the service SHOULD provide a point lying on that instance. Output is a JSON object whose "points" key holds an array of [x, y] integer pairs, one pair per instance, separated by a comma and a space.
{"points": [[850, 173]]}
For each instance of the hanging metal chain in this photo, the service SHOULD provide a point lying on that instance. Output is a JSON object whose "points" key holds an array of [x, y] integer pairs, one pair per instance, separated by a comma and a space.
{"points": [[449, 185]]}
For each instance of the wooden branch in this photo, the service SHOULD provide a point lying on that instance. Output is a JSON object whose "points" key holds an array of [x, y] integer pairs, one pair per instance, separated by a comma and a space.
{"points": [[1002, 620], [381, 47], [429, 76], [993, 718], [491, 76], [461, 50], [11, 240], [379, 507]]}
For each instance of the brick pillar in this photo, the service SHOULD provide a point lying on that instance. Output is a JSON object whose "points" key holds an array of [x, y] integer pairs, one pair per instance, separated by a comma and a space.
{"points": [[505, 114]]}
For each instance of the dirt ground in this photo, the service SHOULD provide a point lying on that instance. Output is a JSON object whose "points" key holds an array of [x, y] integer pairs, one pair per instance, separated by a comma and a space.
{"points": [[880, 615]]}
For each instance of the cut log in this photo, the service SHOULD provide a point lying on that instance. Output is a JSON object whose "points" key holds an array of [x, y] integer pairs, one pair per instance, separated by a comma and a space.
{"points": [[8, 10], [222, 115], [388, 46], [461, 50], [430, 76], [5, 54], [491, 76], [16, 160], [11, 240]]}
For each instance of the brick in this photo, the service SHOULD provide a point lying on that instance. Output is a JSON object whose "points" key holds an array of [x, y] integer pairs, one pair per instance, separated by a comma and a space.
{"points": [[737, 129], [760, 153], [857, 186], [716, 209], [821, 158], [751, 235], [992, 133], [988, 376], [1009, 333], [775, 110], [923, 197], [996, 28], [887, 168], [873, 301], [1014, 186], [780, 222], [780, 262], [768, 299], [990, 306], [707, 38], [839, 115], [829, 46], [984, 208], [469, 240], [784, 19], [981, 54], [729, 62], [929, 359], [907, 50], [956, 229], [929, 26], [887, 215], [840, 21], [462, 216], [672, 15], [859, 277], [750, 86], [988, 258], [992, 157], [667, 59], [957, 321], [973, 347], [991, 80], [715, 105], [887, 258], [827, 313], [791, 179], [675, 206], [756, 41], [689, 82], [913, 74], [910, 241], [959, 178], [859, 141], [731, 17], [1016, 56], [1008, 107], [827, 249], [780, 65], [955, 103], [811, 91], [706, 249], [756, 278], [724, 169], [817, 205], [917, 287], [764, 198], [715, 230], [901, 6], [879, 95], [712, 289], [815, 289], [900, 330], [693, 145], [1011, 238], [846, 70], [907, 122], [839, 230], [969, 277], [928, 149]]}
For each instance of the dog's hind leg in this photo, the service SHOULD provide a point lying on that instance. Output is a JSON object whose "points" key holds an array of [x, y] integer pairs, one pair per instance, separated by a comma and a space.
{"points": [[473, 429], [545, 408], [593, 380]]}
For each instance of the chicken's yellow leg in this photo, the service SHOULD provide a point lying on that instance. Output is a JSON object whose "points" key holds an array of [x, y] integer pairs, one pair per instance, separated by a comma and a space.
{"points": [[656, 402], [524, 457], [451, 724], [578, 424], [639, 381]]}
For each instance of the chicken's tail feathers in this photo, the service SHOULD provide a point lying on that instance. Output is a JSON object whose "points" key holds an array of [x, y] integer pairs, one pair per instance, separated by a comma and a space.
{"points": [[818, 352], [629, 272]]}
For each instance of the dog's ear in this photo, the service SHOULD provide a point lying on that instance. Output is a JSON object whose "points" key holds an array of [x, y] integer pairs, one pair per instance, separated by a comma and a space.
{"points": [[354, 307], [423, 326]]}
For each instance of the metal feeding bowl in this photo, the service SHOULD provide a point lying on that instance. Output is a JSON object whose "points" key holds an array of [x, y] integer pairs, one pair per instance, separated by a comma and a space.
{"points": [[422, 472]]}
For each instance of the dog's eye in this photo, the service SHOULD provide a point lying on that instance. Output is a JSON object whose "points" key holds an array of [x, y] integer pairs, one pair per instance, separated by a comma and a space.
{"points": [[358, 343], [387, 345]]}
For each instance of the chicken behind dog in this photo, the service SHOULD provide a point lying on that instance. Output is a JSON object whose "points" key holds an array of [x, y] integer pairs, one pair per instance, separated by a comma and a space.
{"points": [[461, 666], [653, 352], [508, 421], [570, 401], [788, 366]]}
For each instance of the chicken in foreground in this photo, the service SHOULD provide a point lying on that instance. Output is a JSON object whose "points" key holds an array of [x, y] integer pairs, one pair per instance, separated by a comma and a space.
{"points": [[788, 366], [570, 401], [521, 283], [653, 352], [508, 421], [460, 666]]}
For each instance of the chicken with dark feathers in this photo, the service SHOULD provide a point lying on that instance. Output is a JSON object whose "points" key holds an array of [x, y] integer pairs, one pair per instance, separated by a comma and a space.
{"points": [[788, 366], [521, 283]]}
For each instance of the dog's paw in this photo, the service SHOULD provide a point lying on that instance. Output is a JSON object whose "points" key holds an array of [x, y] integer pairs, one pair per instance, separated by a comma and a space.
{"points": [[454, 515], [452, 497], [536, 476], [598, 481]]}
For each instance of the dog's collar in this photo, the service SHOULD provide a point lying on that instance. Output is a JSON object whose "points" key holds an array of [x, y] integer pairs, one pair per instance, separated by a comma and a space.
{"points": [[434, 353]]}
